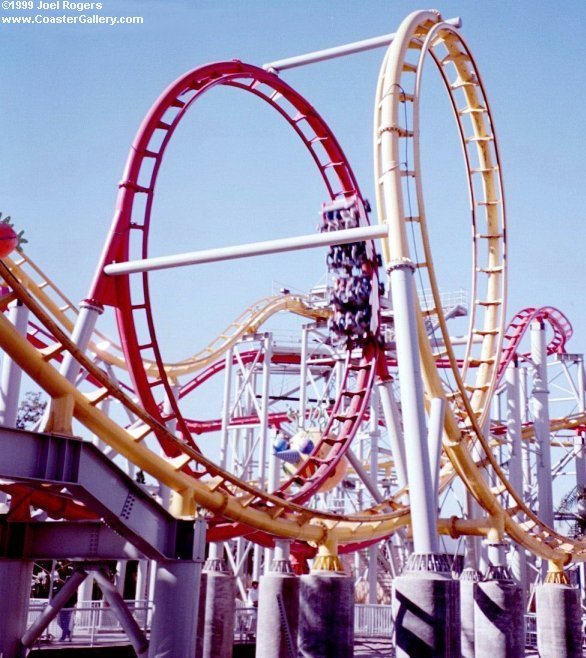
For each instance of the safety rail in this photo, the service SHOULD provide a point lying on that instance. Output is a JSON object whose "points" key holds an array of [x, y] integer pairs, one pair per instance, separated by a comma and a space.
{"points": [[372, 620], [96, 623], [93, 622]]}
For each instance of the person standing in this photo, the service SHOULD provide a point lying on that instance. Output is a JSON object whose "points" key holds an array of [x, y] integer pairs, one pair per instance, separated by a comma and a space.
{"points": [[65, 617]]}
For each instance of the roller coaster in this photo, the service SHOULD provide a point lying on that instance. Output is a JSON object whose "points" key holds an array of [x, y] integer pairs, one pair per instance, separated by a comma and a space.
{"points": [[321, 459]]}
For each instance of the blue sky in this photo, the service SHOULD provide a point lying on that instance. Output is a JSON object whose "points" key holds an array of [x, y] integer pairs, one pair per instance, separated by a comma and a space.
{"points": [[73, 97]]}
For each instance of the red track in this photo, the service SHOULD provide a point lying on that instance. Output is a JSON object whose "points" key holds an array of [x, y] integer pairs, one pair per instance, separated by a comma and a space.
{"points": [[131, 226], [562, 332]]}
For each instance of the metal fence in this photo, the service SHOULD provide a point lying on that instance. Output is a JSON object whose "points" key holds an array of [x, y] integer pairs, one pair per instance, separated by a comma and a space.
{"points": [[373, 620], [95, 622], [245, 624], [91, 620]]}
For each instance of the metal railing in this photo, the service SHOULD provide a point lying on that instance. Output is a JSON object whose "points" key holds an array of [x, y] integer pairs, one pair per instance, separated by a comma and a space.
{"points": [[94, 622], [245, 624], [89, 620], [372, 620]]}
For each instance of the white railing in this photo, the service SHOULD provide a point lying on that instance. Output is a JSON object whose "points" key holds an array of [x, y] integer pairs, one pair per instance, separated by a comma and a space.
{"points": [[95, 622], [373, 620], [245, 624], [449, 299], [90, 620]]}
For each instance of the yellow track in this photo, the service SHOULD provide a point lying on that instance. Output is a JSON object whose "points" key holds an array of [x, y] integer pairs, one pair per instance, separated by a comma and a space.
{"points": [[397, 102]]}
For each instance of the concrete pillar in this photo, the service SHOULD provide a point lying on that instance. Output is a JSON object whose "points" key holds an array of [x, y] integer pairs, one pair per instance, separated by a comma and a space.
{"points": [[468, 579], [326, 615], [174, 621], [499, 623], [15, 587], [220, 613], [278, 616], [201, 613], [559, 621], [426, 614]]}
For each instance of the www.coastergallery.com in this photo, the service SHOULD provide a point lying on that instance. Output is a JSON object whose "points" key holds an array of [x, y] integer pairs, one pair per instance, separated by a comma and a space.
{"points": [[93, 19]]}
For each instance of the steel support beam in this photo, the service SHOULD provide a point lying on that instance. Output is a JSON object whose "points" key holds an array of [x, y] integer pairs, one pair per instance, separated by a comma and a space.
{"points": [[312, 241], [66, 462], [339, 51], [64, 540]]}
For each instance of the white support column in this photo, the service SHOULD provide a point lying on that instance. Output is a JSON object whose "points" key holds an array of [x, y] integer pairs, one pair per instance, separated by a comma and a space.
{"points": [[423, 514], [580, 438], [374, 434], [514, 427], [224, 434], [81, 336], [264, 454], [580, 460], [141, 592], [434, 437], [171, 424], [11, 375], [393, 424], [303, 375], [264, 414], [540, 409], [524, 409], [519, 562], [274, 480]]}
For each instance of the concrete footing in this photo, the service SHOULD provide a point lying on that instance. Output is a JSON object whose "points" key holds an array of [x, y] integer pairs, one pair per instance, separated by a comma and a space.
{"points": [[559, 622], [426, 612], [499, 622], [15, 586], [468, 579], [220, 612], [278, 616], [201, 613], [176, 598], [326, 616]]}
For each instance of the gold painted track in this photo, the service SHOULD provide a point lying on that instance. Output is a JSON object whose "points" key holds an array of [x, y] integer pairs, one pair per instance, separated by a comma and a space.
{"points": [[397, 122]]}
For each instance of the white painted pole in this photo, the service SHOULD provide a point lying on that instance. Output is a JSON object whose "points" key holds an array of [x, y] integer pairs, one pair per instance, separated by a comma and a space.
{"points": [[81, 336], [423, 507], [339, 51], [312, 241], [514, 427], [539, 404], [374, 434], [580, 438], [393, 423], [524, 397], [226, 408], [11, 373], [303, 376], [434, 437]]}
